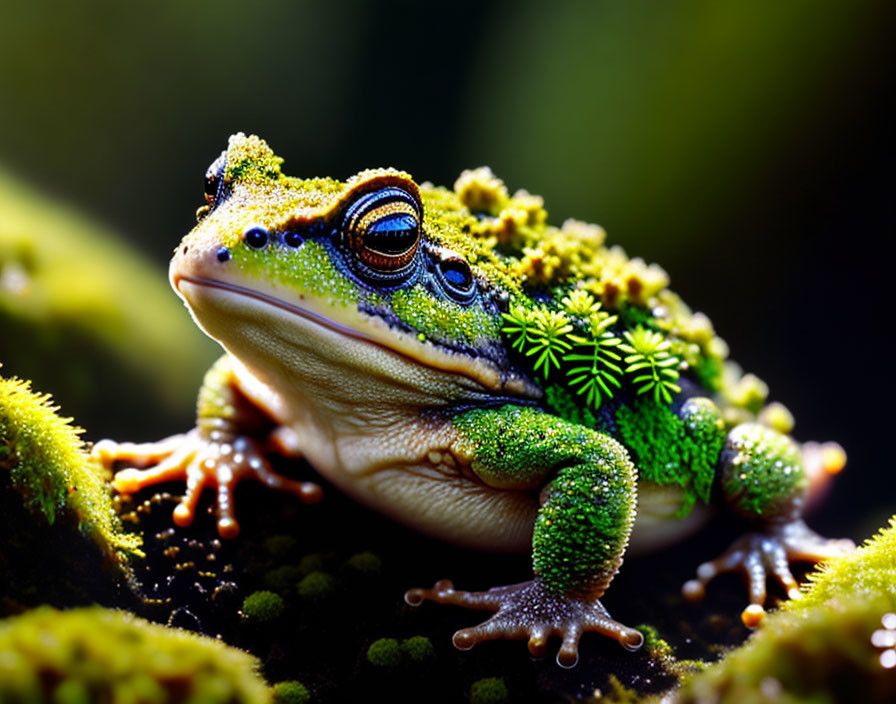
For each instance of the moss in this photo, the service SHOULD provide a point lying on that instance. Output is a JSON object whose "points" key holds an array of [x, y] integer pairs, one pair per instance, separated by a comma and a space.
{"points": [[282, 579], [291, 692], [95, 654], [818, 647], [263, 606], [317, 586], [311, 563], [384, 653], [418, 649], [45, 460], [489, 690], [279, 545], [670, 448], [366, 564]]}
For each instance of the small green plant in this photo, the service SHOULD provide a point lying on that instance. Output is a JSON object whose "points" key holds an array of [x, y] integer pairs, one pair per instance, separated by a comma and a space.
{"points": [[384, 652], [291, 692], [317, 586], [648, 353], [489, 690], [418, 649], [601, 371], [588, 350], [263, 606]]}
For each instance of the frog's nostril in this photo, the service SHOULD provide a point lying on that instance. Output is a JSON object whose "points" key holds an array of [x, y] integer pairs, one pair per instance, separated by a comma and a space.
{"points": [[223, 254], [185, 250]]}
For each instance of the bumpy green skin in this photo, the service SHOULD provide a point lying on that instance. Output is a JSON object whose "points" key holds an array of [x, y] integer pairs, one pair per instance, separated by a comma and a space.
{"points": [[762, 472], [588, 506]]}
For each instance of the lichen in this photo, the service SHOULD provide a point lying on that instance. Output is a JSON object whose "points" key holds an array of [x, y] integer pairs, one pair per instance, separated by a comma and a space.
{"points": [[95, 654], [45, 460]]}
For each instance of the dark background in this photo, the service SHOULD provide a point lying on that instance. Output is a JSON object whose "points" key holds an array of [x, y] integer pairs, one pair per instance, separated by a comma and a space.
{"points": [[746, 147]]}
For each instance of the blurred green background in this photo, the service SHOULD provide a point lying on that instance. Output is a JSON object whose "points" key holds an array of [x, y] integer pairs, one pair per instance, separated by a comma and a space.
{"points": [[747, 147]]}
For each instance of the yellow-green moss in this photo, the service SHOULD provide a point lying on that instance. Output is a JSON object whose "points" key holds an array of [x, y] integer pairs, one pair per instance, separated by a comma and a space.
{"points": [[817, 648], [44, 459], [96, 655]]}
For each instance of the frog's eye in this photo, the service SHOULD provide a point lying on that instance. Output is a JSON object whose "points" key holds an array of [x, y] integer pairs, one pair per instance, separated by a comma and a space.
{"points": [[456, 278], [382, 229], [213, 178]]}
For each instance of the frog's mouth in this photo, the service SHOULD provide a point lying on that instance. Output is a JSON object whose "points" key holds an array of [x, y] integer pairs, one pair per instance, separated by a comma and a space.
{"points": [[199, 294]]}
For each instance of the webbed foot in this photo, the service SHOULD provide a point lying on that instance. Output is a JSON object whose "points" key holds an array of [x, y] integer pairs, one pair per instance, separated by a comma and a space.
{"points": [[761, 555], [528, 610], [218, 458]]}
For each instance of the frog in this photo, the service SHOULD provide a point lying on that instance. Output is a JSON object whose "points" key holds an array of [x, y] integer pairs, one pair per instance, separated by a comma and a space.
{"points": [[453, 360]]}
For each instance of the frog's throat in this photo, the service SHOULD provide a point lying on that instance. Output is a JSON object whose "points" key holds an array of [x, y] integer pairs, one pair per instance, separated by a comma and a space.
{"points": [[483, 373]]}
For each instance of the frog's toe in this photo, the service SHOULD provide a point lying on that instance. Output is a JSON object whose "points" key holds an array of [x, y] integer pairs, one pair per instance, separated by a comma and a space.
{"points": [[528, 610], [759, 556], [141, 454]]}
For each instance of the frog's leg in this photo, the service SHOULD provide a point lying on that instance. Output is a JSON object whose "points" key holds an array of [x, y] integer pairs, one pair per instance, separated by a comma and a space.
{"points": [[220, 451], [765, 477], [581, 531]]}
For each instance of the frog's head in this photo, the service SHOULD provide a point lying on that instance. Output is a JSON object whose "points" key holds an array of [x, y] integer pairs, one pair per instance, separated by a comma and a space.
{"points": [[376, 269]]}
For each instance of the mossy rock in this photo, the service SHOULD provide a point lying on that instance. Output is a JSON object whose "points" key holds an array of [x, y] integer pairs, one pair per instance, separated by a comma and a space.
{"points": [[62, 540], [95, 654]]}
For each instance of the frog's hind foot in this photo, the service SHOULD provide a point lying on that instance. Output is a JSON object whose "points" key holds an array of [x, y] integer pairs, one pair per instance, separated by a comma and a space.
{"points": [[761, 555], [220, 461], [528, 610]]}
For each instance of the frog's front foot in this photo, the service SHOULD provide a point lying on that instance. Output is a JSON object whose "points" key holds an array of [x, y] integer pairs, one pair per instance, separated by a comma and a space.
{"points": [[528, 610], [763, 554], [217, 458]]}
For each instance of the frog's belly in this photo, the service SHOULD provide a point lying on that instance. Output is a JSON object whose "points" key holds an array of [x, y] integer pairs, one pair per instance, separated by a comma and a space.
{"points": [[656, 525]]}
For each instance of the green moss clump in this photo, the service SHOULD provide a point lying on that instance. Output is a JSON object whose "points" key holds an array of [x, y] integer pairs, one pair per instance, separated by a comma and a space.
{"points": [[317, 586], [365, 563], [282, 579], [817, 648], [45, 460], [278, 545], [291, 692], [94, 654], [489, 690], [669, 449], [418, 649], [263, 606], [312, 563], [385, 652]]}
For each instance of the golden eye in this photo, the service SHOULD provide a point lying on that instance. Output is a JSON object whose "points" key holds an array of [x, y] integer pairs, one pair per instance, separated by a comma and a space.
{"points": [[382, 229]]}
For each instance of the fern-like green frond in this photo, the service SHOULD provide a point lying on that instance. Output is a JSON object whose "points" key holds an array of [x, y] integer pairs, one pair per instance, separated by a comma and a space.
{"points": [[580, 303], [547, 338], [648, 352], [519, 326], [598, 378]]}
